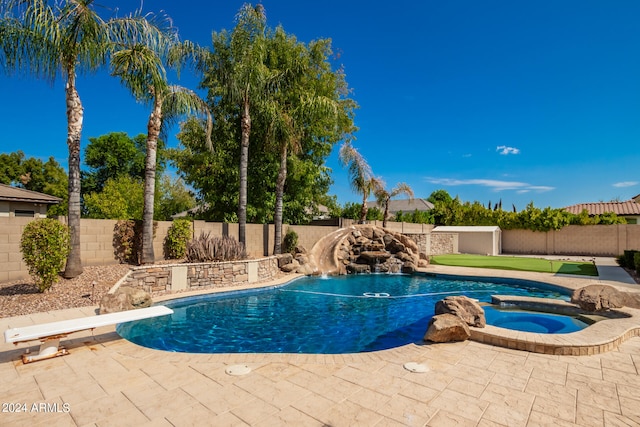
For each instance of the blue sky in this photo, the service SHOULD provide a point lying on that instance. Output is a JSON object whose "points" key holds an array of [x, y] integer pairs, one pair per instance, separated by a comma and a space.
{"points": [[519, 101]]}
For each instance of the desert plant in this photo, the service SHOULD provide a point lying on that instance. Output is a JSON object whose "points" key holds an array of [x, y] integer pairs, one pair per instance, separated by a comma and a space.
{"points": [[45, 246], [178, 235], [206, 248], [290, 241]]}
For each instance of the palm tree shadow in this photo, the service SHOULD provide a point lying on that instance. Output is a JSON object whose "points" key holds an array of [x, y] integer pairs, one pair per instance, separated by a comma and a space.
{"points": [[19, 289]]}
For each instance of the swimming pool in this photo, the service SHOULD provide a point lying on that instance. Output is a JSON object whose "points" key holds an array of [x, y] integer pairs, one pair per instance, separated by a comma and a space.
{"points": [[339, 314]]}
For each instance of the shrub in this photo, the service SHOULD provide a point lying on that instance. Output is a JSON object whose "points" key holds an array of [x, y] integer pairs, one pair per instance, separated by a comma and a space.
{"points": [[629, 258], [290, 241], [206, 248], [178, 235], [127, 240], [45, 246], [636, 261], [621, 260]]}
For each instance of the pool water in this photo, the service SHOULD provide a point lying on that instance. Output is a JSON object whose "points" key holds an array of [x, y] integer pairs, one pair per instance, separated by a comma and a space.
{"points": [[341, 314], [545, 323]]}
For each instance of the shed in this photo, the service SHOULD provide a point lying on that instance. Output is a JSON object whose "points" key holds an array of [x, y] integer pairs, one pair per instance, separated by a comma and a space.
{"points": [[485, 240]]}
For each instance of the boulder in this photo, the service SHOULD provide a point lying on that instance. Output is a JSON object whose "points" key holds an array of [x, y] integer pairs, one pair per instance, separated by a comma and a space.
{"points": [[358, 268], [394, 246], [123, 299], [284, 259], [306, 269], [408, 267], [598, 298], [447, 328], [367, 232], [291, 267], [468, 310], [371, 257]]}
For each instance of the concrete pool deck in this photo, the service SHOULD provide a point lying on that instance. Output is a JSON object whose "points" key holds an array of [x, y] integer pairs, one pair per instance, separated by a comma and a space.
{"points": [[109, 381]]}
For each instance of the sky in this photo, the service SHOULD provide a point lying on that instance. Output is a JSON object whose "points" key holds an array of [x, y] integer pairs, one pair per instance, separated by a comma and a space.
{"points": [[490, 100]]}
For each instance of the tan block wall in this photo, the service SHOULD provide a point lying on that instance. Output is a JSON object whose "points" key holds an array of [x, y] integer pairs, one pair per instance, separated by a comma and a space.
{"points": [[96, 240], [11, 265], [594, 240], [308, 235]]}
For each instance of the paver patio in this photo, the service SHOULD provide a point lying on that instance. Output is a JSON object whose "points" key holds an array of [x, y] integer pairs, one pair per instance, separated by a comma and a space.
{"points": [[109, 381]]}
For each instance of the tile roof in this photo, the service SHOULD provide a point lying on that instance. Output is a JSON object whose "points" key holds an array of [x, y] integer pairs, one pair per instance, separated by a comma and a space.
{"points": [[619, 208], [14, 194], [405, 205]]}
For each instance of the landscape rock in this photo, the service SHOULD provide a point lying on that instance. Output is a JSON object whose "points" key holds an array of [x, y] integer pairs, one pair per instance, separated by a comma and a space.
{"points": [[291, 267], [598, 298], [284, 259], [468, 310], [447, 328], [123, 299], [358, 268]]}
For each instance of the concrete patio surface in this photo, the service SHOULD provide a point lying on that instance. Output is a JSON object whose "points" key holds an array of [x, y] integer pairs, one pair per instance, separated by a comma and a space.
{"points": [[108, 381]]}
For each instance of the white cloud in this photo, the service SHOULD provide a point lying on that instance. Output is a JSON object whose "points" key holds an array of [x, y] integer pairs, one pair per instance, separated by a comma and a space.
{"points": [[625, 184], [496, 185], [504, 150]]}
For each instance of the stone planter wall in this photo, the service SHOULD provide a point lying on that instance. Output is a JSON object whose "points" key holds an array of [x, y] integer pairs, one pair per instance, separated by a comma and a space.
{"points": [[169, 278]]}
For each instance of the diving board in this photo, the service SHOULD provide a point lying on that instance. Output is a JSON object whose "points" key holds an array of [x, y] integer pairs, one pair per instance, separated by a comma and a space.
{"points": [[51, 333]]}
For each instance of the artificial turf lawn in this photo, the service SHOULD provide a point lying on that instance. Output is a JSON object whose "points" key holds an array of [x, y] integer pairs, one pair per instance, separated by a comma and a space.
{"points": [[517, 263]]}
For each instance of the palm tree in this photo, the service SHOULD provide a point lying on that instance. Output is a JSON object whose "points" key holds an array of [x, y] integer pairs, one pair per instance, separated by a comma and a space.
{"points": [[296, 101], [47, 40], [140, 64], [236, 71], [384, 197], [360, 174]]}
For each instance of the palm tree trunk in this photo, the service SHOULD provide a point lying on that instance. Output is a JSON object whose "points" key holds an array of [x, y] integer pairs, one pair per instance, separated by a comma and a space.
{"points": [[277, 216], [75, 112], [386, 213], [244, 164], [363, 210], [153, 133]]}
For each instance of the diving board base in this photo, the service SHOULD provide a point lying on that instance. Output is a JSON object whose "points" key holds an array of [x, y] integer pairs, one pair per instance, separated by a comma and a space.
{"points": [[49, 348]]}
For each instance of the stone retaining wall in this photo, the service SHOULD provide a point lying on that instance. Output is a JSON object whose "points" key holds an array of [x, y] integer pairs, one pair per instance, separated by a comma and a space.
{"points": [[443, 243], [170, 278]]}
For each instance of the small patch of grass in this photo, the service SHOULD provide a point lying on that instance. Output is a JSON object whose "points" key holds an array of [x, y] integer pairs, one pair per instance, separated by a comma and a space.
{"points": [[517, 263]]}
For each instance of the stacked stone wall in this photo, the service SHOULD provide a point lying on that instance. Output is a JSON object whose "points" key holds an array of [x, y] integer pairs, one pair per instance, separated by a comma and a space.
{"points": [[164, 279], [443, 243]]}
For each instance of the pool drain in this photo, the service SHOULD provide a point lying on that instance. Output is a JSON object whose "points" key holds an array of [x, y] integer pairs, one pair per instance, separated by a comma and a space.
{"points": [[415, 367], [237, 370]]}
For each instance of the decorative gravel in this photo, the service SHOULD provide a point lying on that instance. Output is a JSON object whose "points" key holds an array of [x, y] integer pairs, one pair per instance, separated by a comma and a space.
{"points": [[20, 297]]}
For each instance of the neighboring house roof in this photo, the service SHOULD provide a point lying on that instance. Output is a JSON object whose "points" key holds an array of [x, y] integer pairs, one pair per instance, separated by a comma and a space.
{"points": [[405, 205], [465, 228], [636, 198], [619, 208], [13, 194]]}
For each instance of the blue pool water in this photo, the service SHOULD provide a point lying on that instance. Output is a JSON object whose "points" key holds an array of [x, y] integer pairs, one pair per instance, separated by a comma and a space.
{"points": [[342, 314], [544, 323]]}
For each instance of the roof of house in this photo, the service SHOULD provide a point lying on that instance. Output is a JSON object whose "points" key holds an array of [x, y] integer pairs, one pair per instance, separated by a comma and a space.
{"points": [[465, 228], [619, 208], [13, 194], [405, 205]]}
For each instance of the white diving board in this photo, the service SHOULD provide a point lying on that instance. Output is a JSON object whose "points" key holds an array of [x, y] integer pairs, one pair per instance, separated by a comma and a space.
{"points": [[50, 333]]}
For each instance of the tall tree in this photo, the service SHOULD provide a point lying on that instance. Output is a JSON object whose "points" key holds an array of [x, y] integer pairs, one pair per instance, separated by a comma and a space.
{"points": [[47, 40], [115, 154], [303, 104], [140, 63], [360, 175], [235, 74], [384, 196]]}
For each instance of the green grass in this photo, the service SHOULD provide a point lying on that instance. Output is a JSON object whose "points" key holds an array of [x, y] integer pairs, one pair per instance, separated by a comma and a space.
{"points": [[517, 263]]}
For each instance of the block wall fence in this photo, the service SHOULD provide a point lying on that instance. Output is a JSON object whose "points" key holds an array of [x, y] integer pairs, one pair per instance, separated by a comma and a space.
{"points": [[96, 240]]}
